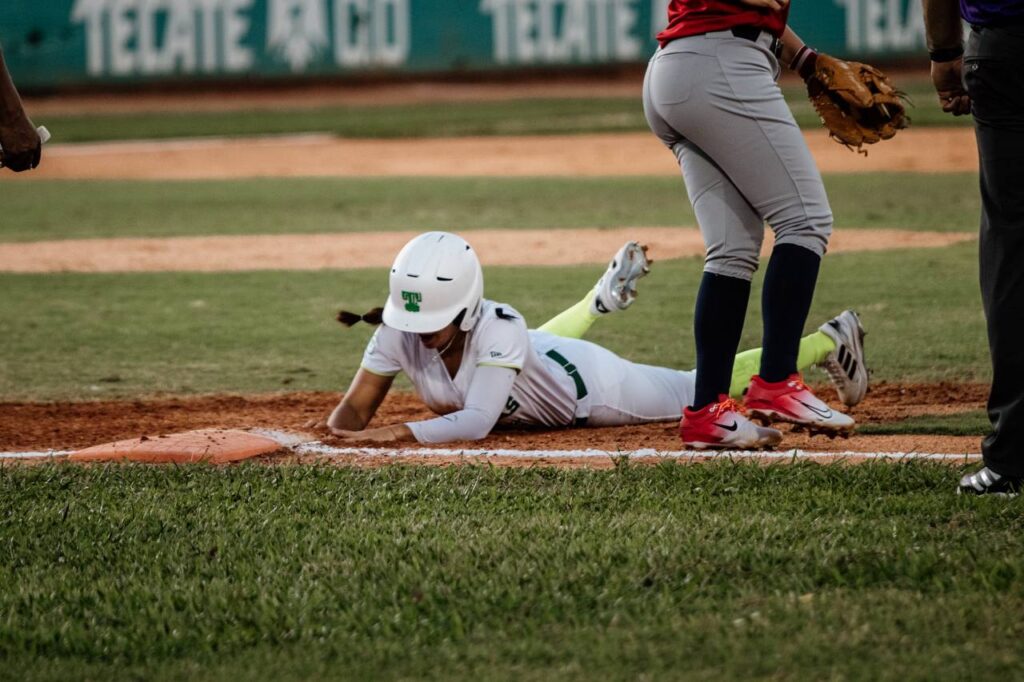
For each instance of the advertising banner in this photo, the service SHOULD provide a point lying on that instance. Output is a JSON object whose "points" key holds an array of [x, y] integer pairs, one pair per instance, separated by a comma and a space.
{"points": [[81, 42]]}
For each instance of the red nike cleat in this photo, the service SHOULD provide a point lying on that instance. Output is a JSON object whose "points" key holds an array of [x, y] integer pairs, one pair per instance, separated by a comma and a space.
{"points": [[722, 425], [791, 401]]}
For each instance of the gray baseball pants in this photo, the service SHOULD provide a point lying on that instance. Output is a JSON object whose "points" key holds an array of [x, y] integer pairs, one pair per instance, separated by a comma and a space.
{"points": [[713, 100]]}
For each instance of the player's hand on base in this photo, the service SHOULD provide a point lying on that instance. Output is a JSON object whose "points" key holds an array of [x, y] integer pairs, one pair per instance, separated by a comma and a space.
{"points": [[342, 434], [948, 80], [385, 434], [21, 145]]}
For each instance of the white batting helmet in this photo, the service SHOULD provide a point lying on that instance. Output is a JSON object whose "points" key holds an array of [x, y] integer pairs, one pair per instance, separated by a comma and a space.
{"points": [[434, 279]]}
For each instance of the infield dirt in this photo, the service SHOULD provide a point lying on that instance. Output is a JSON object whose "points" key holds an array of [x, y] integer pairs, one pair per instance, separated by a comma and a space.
{"points": [[43, 426], [358, 250], [925, 150]]}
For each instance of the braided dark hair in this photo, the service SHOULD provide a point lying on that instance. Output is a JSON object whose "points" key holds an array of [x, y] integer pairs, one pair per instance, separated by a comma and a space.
{"points": [[374, 317]]}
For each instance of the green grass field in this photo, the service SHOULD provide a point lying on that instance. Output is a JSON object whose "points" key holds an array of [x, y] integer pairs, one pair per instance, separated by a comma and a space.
{"points": [[706, 572], [516, 117], [724, 571], [85, 336], [84, 209]]}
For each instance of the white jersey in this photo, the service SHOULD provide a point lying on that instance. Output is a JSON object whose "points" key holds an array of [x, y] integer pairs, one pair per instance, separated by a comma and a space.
{"points": [[559, 381], [499, 339]]}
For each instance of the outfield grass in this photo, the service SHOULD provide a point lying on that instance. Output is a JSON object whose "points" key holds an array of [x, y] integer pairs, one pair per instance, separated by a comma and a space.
{"points": [[114, 335], [84, 209], [718, 571], [515, 117]]}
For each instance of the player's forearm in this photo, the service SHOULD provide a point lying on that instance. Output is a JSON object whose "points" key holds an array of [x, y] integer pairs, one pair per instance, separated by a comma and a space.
{"points": [[467, 424], [485, 401], [11, 110], [401, 433], [362, 400], [943, 26], [384, 434], [797, 55], [345, 417], [397, 433], [791, 44]]}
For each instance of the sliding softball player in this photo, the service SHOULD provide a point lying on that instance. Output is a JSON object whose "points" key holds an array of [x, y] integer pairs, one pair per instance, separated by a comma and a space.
{"points": [[474, 362]]}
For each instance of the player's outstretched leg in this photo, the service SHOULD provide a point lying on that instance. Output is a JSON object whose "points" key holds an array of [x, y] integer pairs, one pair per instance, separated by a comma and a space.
{"points": [[616, 290], [837, 347], [845, 365]]}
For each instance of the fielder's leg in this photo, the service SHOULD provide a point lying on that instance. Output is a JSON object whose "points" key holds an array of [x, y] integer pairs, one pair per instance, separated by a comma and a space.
{"points": [[814, 350], [714, 98], [713, 101], [732, 233], [678, 107]]}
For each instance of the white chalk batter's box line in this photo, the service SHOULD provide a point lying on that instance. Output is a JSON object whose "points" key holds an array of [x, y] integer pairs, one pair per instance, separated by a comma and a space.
{"points": [[318, 449]]}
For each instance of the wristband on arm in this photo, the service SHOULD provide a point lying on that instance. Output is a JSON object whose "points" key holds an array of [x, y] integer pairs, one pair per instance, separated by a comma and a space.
{"points": [[803, 62], [946, 54]]}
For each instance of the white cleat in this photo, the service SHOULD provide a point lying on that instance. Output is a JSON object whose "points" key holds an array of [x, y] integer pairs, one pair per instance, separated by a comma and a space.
{"points": [[616, 290], [845, 365]]}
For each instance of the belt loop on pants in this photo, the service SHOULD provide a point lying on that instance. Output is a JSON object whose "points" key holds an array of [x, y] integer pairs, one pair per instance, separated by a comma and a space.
{"points": [[752, 33], [570, 369], [574, 374]]}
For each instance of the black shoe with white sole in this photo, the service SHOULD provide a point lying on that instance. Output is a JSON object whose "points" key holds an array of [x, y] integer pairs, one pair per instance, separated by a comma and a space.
{"points": [[987, 482]]}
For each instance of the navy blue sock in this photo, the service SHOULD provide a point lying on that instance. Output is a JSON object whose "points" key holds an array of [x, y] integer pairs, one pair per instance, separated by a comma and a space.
{"points": [[717, 325], [785, 301]]}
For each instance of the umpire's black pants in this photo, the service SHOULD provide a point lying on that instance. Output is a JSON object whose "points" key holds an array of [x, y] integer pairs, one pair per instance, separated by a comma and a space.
{"points": [[995, 82]]}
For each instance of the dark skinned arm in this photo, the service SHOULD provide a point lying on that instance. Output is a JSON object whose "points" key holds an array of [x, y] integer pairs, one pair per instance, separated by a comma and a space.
{"points": [[22, 148], [944, 32]]}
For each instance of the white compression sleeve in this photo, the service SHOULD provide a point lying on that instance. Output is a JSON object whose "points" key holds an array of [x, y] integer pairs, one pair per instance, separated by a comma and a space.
{"points": [[485, 400]]}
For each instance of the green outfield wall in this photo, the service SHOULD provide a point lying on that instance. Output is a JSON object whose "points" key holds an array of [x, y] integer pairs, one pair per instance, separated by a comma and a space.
{"points": [[55, 43]]}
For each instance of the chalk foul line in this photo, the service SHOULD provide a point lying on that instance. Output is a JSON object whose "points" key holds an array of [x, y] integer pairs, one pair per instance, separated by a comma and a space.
{"points": [[53, 454], [319, 449], [324, 450]]}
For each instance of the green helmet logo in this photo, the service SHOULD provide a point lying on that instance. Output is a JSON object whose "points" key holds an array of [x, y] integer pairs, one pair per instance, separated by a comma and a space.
{"points": [[412, 300]]}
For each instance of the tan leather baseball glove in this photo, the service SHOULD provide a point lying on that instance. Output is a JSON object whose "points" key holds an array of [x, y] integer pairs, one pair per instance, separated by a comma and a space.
{"points": [[856, 102]]}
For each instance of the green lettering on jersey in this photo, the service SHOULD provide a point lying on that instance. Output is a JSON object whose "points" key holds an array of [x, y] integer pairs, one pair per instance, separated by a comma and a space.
{"points": [[412, 300]]}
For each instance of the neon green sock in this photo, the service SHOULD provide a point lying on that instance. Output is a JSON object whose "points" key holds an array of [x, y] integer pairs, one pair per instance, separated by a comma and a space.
{"points": [[814, 348], [574, 322]]}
